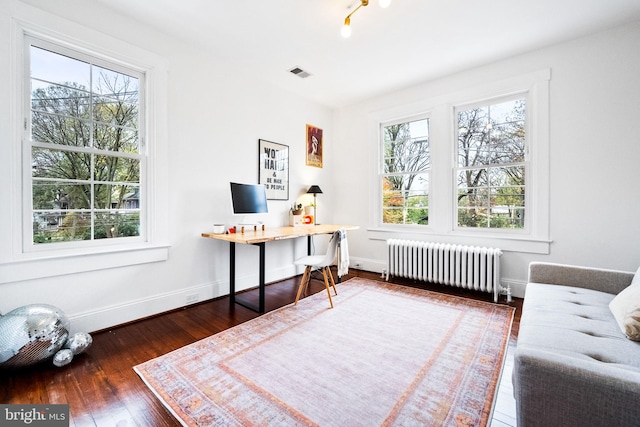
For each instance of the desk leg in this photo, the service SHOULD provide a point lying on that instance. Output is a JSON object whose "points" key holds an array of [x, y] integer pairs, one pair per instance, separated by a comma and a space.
{"points": [[309, 244], [232, 272], [262, 275], [232, 279]]}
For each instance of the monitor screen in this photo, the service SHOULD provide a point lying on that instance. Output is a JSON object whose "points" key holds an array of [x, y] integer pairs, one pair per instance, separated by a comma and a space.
{"points": [[248, 198]]}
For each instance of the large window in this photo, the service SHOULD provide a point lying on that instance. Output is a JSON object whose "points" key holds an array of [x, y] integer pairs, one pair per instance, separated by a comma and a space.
{"points": [[490, 169], [468, 167], [405, 172], [88, 158], [84, 139]]}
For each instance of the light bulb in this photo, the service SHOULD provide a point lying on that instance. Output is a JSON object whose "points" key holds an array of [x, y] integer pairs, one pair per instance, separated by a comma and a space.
{"points": [[346, 31], [384, 3], [346, 28]]}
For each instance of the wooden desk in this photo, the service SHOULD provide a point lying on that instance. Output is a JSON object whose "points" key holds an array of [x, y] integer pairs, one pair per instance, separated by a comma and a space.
{"points": [[259, 238]]}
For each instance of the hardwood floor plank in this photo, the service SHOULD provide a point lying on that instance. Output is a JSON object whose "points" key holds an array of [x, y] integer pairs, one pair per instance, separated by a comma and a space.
{"points": [[102, 388]]}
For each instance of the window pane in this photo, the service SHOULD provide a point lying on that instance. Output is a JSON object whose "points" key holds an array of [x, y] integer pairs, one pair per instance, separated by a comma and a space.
{"points": [[60, 164], [114, 224], [113, 83], [116, 112], [507, 176], [114, 138], [492, 135], [55, 68], [60, 100], [505, 112], [508, 198], [473, 120], [507, 143], [419, 216], [112, 168], [473, 217], [406, 146], [472, 178], [61, 195], [512, 218], [53, 227], [474, 197], [473, 148], [405, 199], [116, 197], [62, 130]]}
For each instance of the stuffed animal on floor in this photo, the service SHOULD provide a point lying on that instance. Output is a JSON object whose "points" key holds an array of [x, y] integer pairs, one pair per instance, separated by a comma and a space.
{"points": [[34, 333]]}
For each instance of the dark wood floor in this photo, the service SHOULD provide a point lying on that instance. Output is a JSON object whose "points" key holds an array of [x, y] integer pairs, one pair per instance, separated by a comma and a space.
{"points": [[103, 390]]}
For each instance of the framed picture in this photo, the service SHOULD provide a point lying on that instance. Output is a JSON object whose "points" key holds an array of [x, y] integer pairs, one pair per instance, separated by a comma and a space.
{"points": [[314, 146], [273, 169]]}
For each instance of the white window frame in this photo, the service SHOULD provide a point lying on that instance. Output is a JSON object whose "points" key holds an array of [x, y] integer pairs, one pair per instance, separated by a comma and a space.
{"points": [[456, 168], [381, 173], [443, 144], [19, 260], [28, 145]]}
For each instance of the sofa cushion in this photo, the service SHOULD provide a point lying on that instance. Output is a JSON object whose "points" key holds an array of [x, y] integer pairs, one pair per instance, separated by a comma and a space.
{"points": [[625, 307], [575, 322]]}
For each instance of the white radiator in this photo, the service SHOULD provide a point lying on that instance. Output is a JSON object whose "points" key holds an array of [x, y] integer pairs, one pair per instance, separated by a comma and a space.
{"points": [[469, 267]]}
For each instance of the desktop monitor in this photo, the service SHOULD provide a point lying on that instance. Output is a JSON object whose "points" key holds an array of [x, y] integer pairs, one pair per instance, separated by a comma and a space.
{"points": [[248, 198]]}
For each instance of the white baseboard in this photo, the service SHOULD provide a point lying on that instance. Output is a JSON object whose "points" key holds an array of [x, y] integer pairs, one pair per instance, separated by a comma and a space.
{"points": [[114, 315], [111, 316], [366, 264]]}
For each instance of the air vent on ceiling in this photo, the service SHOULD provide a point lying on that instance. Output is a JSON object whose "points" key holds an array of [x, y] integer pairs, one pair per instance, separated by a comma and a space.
{"points": [[299, 72]]}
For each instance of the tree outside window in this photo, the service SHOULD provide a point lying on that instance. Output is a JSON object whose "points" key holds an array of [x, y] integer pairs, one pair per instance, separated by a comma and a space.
{"points": [[85, 149], [405, 173], [491, 165]]}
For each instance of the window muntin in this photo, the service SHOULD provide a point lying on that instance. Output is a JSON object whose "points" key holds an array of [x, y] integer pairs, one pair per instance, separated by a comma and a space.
{"points": [[84, 141], [490, 168], [405, 176]]}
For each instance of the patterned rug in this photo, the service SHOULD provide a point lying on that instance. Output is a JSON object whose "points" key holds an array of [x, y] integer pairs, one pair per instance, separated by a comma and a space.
{"points": [[385, 355]]}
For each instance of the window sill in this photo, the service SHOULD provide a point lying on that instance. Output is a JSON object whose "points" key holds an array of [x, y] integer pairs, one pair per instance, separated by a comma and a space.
{"points": [[56, 265], [510, 243]]}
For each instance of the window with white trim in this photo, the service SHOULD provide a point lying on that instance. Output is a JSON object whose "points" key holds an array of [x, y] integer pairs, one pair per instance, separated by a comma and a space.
{"points": [[488, 170], [490, 164], [405, 171], [85, 183]]}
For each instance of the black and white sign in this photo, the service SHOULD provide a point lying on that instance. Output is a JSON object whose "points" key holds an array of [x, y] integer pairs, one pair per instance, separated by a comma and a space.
{"points": [[273, 169]]}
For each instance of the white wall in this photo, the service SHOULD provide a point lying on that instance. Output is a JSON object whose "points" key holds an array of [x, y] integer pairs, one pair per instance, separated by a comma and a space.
{"points": [[215, 117], [594, 152]]}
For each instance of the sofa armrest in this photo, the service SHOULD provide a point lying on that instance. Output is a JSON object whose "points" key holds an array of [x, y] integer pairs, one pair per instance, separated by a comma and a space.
{"points": [[552, 389], [599, 279]]}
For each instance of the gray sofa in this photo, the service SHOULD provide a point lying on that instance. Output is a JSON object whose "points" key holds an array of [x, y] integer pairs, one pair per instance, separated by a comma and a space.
{"points": [[573, 366]]}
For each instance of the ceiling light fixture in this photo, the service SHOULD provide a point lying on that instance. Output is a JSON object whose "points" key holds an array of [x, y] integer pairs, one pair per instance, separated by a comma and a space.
{"points": [[346, 28]]}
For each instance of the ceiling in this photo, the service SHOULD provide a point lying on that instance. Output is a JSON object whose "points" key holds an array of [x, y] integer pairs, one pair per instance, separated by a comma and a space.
{"points": [[409, 42]]}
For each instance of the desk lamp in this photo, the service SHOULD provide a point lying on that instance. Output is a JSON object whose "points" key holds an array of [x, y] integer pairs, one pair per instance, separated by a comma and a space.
{"points": [[315, 190]]}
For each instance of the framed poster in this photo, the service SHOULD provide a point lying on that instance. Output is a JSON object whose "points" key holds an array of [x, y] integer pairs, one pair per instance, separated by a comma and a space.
{"points": [[314, 146], [273, 169]]}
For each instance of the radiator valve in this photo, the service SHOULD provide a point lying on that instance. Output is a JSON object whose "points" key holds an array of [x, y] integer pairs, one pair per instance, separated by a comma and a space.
{"points": [[507, 291]]}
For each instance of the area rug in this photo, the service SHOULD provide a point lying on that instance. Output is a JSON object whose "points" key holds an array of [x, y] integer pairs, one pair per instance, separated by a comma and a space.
{"points": [[386, 355]]}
